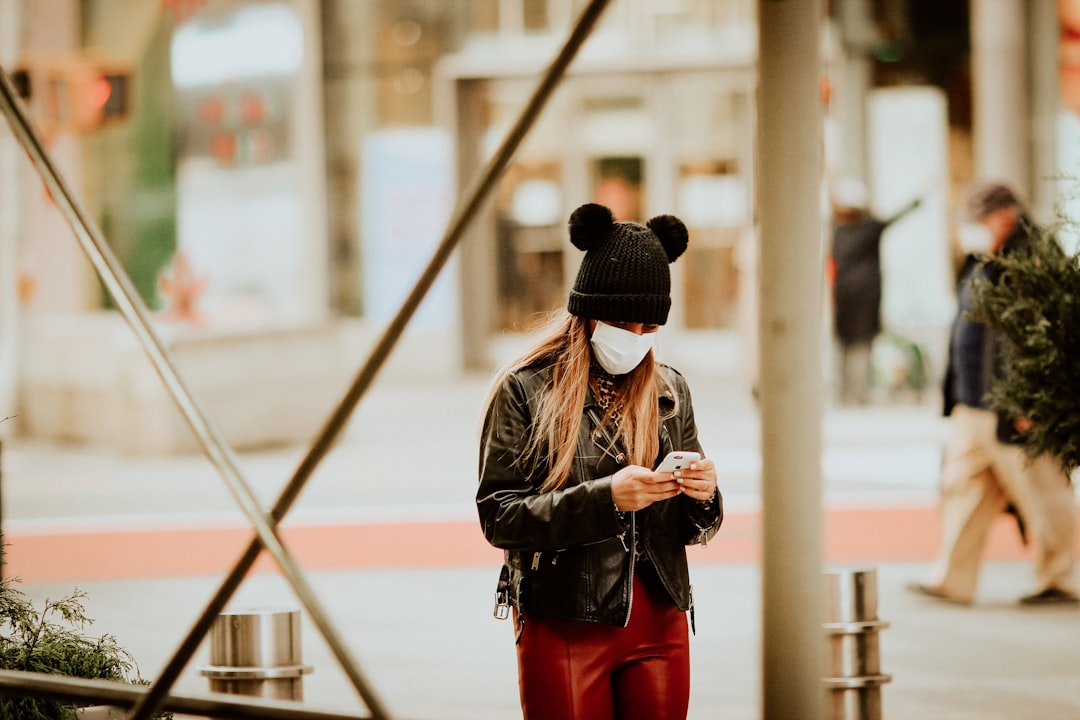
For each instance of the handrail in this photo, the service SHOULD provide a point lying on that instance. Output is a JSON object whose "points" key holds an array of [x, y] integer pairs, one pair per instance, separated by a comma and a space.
{"points": [[24, 683]]}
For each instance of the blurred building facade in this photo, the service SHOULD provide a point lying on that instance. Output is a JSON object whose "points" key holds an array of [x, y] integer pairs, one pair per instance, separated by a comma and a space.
{"points": [[285, 167]]}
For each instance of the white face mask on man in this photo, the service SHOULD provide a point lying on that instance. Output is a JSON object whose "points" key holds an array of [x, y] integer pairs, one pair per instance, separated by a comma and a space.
{"points": [[975, 238], [619, 351]]}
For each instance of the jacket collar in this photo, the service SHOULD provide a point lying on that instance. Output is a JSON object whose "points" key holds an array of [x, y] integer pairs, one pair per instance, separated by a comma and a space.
{"points": [[667, 396]]}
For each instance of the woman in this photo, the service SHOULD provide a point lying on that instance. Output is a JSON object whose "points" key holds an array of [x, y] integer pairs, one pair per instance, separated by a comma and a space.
{"points": [[595, 541]]}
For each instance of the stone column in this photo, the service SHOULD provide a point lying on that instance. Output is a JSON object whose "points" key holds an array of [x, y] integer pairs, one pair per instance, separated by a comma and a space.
{"points": [[856, 38], [351, 108], [10, 43], [999, 92], [789, 137], [1043, 52]]}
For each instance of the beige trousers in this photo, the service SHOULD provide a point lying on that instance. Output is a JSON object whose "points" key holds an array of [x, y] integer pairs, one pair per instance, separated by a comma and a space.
{"points": [[980, 477]]}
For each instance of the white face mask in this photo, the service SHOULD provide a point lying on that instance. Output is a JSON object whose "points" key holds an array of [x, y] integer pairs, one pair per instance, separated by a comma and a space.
{"points": [[975, 238], [619, 351]]}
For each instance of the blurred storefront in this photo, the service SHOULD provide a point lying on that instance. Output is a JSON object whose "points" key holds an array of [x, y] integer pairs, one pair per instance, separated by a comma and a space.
{"points": [[646, 125], [192, 134], [284, 168], [655, 116]]}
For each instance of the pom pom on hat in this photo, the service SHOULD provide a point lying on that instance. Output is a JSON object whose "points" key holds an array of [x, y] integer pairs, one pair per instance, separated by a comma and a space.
{"points": [[624, 275], [588, 225], [672, 233]]}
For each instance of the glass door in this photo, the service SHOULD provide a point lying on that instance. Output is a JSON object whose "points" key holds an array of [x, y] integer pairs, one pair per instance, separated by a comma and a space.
{"points": [[713, 195], [530, 211], [640, 143]]}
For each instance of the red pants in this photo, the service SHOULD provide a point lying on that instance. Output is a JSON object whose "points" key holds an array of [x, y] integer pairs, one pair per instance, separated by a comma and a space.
{"points": [[569, 670]]}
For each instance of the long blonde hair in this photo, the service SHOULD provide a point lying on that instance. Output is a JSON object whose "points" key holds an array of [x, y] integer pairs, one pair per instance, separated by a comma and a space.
{"points": [[561, 405]]}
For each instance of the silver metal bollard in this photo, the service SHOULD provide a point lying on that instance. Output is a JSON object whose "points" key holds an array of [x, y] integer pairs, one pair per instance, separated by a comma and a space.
{"points": [[256, 653], [855, 679]]}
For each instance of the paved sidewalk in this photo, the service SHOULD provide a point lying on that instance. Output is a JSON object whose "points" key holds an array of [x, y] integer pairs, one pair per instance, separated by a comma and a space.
{"points": [[426, 640], [424, 634]]}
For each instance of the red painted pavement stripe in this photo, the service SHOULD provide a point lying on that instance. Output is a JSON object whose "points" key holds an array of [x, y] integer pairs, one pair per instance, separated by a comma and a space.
{"points": [[878, 534]]}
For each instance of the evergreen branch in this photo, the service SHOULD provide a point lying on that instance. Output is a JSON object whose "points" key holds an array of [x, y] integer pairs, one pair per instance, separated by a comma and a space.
{"points": [[51, 641], [1033, 305]]}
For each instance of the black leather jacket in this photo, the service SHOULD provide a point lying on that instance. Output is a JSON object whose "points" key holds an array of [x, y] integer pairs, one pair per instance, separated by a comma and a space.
{"points": [[568, 552]]}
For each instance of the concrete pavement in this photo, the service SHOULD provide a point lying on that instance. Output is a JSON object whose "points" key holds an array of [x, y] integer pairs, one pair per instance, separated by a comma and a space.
{"points": [[419, 621], [427, 642]]}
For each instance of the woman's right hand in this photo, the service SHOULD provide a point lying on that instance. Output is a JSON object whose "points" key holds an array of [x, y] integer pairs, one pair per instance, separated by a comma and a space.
{"points": [[635, 487]]}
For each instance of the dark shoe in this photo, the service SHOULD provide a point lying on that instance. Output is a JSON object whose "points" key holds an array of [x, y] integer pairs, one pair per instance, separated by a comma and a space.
{"points": [[1051, 596], [935, 592]]}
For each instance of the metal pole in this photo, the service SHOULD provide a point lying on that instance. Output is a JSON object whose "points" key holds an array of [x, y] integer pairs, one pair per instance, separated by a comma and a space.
{"points": [[789, 141], [11, 213], [23, 683], [2, 542], [474, 197]]}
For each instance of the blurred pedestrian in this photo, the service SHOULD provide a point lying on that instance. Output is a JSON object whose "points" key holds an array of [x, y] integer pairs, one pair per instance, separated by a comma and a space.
{"points": [[595, 571], [856, 282], [986, 470]]}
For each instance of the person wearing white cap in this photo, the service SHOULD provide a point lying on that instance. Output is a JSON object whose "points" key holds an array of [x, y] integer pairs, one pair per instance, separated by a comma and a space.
{"points": [[856, 283]]}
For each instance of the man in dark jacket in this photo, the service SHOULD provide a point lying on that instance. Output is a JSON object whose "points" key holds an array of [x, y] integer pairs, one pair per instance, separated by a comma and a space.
{"points": [[985, 469]]}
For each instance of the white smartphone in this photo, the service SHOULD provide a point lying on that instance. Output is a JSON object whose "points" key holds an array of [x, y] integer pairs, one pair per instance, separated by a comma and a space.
{"points": [[676, 460]]}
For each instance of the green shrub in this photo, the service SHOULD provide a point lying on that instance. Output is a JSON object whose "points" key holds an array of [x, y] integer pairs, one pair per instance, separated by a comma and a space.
{"points": [[1035, 305], [52, 641]]}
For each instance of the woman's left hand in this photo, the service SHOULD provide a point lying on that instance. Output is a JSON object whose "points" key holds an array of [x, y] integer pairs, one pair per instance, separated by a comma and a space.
{"points": [[698, 481]]}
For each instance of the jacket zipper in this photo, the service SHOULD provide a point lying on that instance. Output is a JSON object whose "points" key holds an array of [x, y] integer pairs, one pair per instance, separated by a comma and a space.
{"points": [[633, 555], [693, 624], [539, 554]]}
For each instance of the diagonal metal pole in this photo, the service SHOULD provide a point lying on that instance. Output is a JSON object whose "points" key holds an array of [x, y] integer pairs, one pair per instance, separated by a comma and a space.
{"points": [[134, 311], [476, 194], [23, 683]]}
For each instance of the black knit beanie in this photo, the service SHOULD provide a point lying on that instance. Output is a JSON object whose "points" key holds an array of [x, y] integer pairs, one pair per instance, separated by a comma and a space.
{"points": [[624, 275]]}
